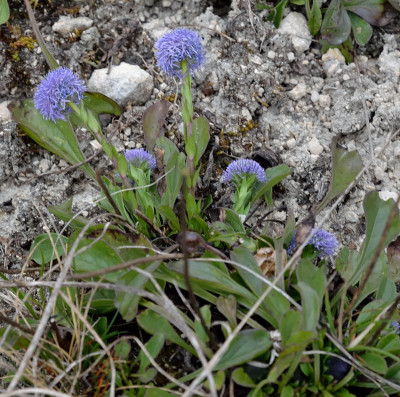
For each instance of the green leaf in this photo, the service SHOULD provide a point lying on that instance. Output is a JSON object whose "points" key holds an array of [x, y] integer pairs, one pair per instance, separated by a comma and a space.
{"points": [[101, 104], [287, 391], [104, 250], [345, 167], [312, 276], [315, 18], [311, 306], [64, 212], [336, 26], [290, 356], [153, 120], [369, 312], [168, 147], [361, 29], [153, 346], [246, 259], [190, 147], [370, 10], [122, 349], [277, 13], [174, 179], [219, 380], [154, 324], [387, 290], [244, 347], [375, 362], [376, 213], [232, 219], [42, 250], [240, 377], [127, 303], [200, 132], [169, 215], [290, 324], [198, 327], [57, 138], [4, 11], [274, 176], [394, 372], [390, 343]]}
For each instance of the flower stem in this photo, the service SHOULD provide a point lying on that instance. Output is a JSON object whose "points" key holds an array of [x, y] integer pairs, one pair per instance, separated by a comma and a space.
{"points": [[187, 100]]}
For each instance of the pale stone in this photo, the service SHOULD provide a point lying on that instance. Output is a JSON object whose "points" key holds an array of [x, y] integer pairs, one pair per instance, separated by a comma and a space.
{"points": [[5, 114], [67, 25], [295, 24], [125, 83], [315, 147], [298, 92]]}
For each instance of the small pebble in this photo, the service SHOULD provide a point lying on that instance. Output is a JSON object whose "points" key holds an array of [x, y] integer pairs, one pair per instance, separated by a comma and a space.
{"points": [[315, 147]]}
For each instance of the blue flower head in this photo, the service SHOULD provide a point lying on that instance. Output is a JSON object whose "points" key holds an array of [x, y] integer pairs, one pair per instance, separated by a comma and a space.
{"points": [[59, 87], [176, 46], [324, 242], [239, 169], [395, 324], [140, 158]]}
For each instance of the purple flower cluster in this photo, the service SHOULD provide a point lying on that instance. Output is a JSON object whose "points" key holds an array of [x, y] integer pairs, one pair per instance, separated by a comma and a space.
{"points": [[59, 87], [140, 158], [177, 46], [324, 242], [242, 168]]}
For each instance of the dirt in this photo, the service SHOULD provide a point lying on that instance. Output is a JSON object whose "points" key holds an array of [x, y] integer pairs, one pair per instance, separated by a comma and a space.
{"points": [[256, 91]]}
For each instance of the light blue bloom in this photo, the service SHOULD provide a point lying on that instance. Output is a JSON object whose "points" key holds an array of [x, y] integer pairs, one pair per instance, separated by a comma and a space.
{"points": [[140, 158], [59, 87], [239, 169], [177, 46], [324, 242]]}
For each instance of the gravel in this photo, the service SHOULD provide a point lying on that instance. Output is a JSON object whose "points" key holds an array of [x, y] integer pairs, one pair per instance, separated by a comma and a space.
{"points": [[259, 89]]}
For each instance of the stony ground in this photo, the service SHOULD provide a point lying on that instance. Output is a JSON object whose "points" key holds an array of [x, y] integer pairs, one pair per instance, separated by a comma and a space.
{"points": [[265, 92]]}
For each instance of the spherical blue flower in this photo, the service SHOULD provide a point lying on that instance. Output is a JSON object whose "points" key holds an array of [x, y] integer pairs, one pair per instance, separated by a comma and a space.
{"points": [[140, 158], [242, 168], [176, 46], [395, 324], [324, 242], [59, 87]]}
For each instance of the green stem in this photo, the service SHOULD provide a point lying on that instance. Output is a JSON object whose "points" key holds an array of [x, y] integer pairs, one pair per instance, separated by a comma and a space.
{"points": [[49, 58], [187, 100]]}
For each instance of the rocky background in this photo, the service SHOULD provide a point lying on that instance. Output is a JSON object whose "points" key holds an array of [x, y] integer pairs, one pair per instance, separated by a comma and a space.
{"points": [[266, 92]]}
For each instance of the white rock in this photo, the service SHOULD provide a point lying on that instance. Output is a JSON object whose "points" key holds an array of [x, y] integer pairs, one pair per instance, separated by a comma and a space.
{"points": [[396, 148], [315, 147], [324, 101], [246, 114], [379, 173], [314, 96], [271, 54], [351, 216], [290, 56], [67, 25], [295, 24], [5, 113], [90, 38], [44, 165], [386, 195], [333, 61], [389, 62], [298, 92], [124, 83], [255, 59], [333, 54], [291, 143]]}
